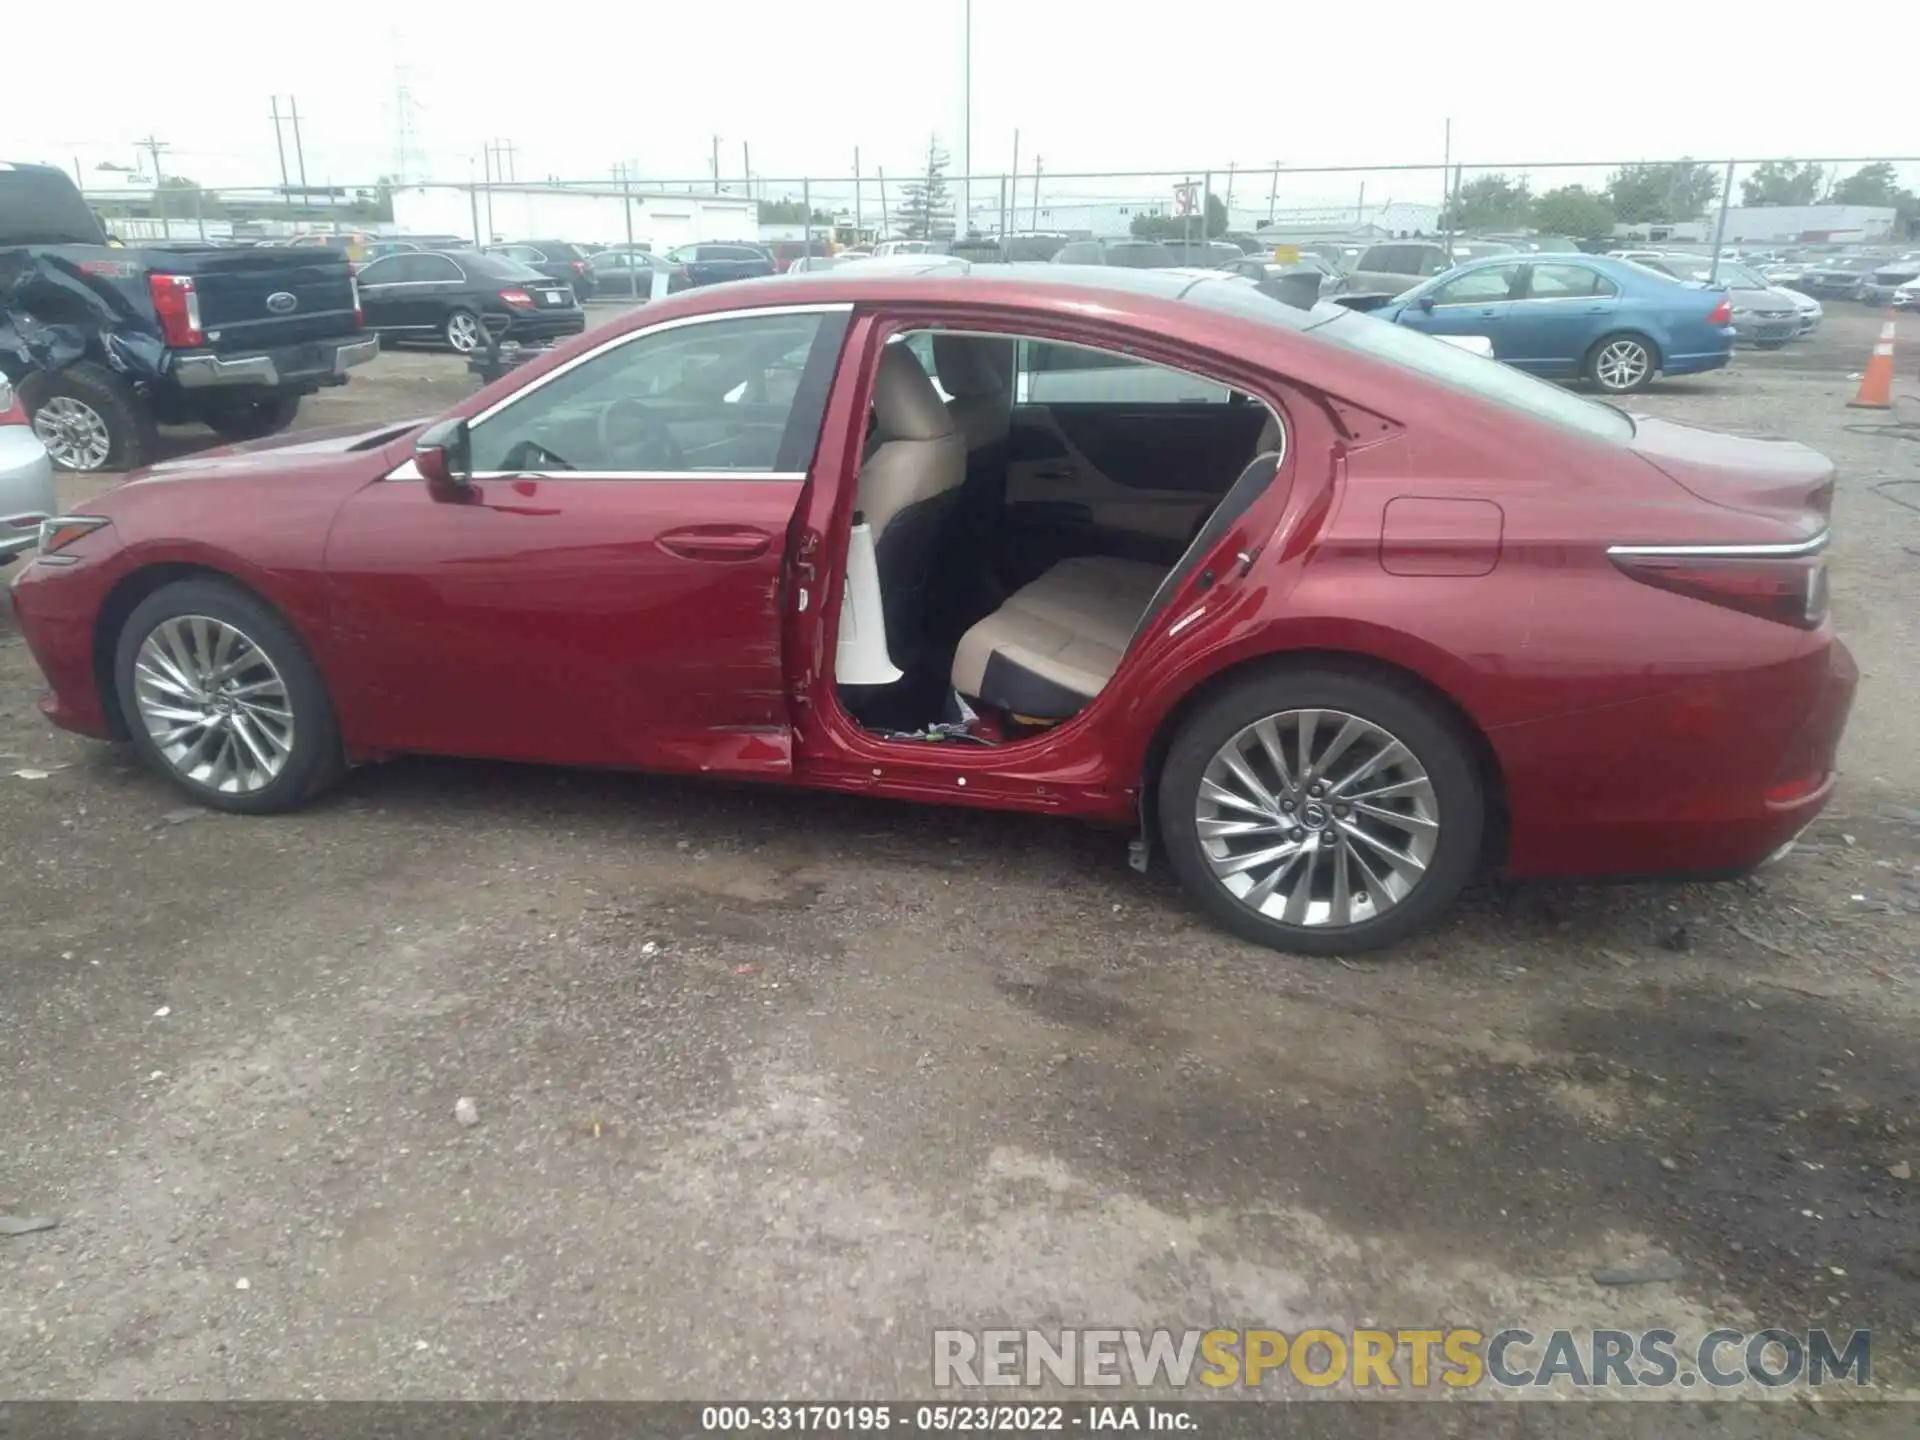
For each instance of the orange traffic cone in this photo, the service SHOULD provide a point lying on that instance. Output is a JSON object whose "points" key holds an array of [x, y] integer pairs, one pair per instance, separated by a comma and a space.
{"points": [[1876, 386]]}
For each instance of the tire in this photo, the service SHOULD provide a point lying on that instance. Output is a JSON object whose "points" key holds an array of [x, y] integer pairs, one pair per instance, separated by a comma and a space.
{"points": [[255, 421], [312, 759], [464, 331], [89, 418], [1608, 348], [1452, 800]]}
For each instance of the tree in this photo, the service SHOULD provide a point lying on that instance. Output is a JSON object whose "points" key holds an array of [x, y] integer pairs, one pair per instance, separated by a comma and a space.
{"points": [[1781, 182], [1573, 211], [1876, 184], [926, 210], [1673, 190], [790, 212], [193, 199], [1488, 202], [1179, 227]]}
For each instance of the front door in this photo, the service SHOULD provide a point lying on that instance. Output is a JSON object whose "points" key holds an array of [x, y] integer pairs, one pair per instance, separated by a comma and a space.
{"points": [[1475, 303], [611, 593]]}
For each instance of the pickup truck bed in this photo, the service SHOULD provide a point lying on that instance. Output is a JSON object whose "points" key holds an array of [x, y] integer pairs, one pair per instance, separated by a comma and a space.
{"points": [[136, 337]]}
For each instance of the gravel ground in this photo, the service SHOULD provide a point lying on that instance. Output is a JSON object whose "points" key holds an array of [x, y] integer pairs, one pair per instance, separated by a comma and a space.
{"points": [[769, 1085]]}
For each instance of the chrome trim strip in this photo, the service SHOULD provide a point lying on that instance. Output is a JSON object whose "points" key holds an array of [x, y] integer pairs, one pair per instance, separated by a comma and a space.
{"points": [[661, 327], [406, 470], [1784, 551]]}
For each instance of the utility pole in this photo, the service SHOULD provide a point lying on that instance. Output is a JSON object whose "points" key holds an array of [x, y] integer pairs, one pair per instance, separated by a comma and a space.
{"points": [[716, 164], [1229, 194], [1720, 226], [153, 147], [746, 168], [1273, 192], [299, 151], [1446, 177], [965, 227], [857, 217], [512, 170], [1013, 217], [886, 226], [487, 153], [280, 145], [928, 197], [624, 174], [1036, 194]]}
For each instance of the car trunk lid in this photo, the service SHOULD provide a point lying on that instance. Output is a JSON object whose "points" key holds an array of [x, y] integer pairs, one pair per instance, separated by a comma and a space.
{"points": [[266, 298], [1776, 479]]}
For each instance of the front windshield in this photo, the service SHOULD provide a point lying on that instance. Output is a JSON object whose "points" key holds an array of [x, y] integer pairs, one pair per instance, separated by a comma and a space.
{"points": [[1431, 359]]}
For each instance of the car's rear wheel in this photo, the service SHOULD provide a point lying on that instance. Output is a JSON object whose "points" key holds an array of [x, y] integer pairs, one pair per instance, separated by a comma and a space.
{"points": [[222, 699], [1621, 364], [88, 418], [464, 331], [1321, 812]]}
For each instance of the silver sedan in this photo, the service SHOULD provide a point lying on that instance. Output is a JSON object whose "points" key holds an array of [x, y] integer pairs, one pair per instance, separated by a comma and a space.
{"points": [[26, 479]]}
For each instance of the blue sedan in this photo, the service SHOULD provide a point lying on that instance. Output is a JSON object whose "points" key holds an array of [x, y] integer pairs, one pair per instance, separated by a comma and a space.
{"points": [[1610, 321]]}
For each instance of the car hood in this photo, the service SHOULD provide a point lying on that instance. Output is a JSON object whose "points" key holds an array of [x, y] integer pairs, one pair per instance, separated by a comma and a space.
{"points": [[295, 451], [1795, 298]]}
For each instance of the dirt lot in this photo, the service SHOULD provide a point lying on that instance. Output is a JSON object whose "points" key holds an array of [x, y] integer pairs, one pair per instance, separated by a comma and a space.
{"points": [[770, 1085]]}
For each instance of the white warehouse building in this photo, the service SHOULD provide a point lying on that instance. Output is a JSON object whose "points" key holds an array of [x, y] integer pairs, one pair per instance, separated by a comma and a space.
{"points": [[506, 212]]}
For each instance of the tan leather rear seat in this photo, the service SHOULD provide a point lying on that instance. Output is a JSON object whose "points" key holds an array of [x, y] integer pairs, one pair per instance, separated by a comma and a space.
{"points": [[1050, 648]]}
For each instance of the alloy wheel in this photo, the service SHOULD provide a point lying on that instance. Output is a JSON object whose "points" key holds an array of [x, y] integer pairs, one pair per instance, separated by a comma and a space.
{"points": [[1622, 364], [214, 704], [1317, 818], [463, 332], [74, 433]]}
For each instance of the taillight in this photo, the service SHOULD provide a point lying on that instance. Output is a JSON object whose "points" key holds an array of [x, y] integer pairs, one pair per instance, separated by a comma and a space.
{"points": [[1790, 589], [359, 315], [12, 412], [1722, 313], [178, 307], [519, 299]]}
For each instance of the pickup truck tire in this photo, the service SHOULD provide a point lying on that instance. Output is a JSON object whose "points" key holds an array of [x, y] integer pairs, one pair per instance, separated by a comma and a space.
{"points": [[222, 699], [88, 418], [254, 421]]}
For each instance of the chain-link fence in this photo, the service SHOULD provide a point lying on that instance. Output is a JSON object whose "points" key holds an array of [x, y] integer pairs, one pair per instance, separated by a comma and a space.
{"points": [[1685, 201]]}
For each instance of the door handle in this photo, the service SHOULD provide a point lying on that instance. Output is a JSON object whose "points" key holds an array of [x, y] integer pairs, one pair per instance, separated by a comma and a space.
{"points": [[716, 542]]}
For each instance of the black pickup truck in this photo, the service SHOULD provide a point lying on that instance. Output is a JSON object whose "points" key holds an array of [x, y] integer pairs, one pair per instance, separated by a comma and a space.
{"points": [[103, 342]]}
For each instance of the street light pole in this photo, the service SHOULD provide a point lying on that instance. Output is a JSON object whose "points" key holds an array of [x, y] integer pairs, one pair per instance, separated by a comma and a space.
{"points": [[965, 227]]}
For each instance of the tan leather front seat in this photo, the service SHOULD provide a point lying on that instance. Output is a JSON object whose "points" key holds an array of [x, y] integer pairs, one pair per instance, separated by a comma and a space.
{"points": [[908, 486], [977, 371]]}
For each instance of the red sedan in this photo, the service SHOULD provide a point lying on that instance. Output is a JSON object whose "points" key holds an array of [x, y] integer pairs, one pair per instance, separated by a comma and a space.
{"points": [[1335, 614]]}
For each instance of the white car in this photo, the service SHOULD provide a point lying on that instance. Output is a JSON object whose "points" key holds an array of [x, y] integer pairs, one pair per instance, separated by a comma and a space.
{"points": [[26, 479], [1907, 296]]}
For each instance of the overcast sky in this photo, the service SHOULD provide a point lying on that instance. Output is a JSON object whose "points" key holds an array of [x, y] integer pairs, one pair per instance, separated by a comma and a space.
{"points": [[1091, 87]]}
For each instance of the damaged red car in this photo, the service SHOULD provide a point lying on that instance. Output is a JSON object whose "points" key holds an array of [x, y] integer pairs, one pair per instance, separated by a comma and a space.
{"points": [[1332, 614]]}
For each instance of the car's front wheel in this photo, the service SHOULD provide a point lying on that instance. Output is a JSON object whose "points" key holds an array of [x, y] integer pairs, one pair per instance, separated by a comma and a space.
{"points": [[1321, 812], [1621, 364], [221, 698]]}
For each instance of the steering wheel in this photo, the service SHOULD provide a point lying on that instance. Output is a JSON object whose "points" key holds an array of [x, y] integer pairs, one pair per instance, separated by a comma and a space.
{"points": [[640, 440]]}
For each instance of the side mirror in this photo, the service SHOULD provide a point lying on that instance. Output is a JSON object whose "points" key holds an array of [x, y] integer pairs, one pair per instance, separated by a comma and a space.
{"points": [[1425, 302], [444, 457]]}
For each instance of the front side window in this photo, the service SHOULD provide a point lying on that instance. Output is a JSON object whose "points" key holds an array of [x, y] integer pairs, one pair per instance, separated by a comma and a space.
{"points": [[720, 396], [1477, 287], [380, 272]]}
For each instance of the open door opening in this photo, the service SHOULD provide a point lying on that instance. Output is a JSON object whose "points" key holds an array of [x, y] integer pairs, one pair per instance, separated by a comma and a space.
{"points": [[1026, 509]]}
